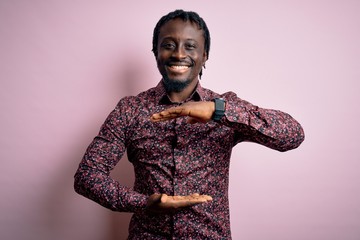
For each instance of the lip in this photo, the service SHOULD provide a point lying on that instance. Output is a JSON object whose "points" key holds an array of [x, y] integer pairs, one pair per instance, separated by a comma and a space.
{"points": [[178, 68]]}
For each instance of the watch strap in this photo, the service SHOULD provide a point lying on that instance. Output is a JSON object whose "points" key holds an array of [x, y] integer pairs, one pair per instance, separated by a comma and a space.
{"points": [[219, 109]]}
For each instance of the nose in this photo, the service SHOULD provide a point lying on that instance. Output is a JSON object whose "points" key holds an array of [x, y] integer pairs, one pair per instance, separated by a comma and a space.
{"points": [[179, 52]]}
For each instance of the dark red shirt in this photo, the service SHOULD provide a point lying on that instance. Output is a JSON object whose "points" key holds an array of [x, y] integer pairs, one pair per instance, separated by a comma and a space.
{"points": [[177, 158]]}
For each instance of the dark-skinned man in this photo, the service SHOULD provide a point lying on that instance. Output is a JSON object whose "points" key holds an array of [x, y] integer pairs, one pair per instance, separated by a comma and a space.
{"points": [[179, 137]]}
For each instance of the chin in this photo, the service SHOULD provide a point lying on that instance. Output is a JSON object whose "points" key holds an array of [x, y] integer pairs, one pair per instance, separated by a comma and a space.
{"points": [[175, 85]]}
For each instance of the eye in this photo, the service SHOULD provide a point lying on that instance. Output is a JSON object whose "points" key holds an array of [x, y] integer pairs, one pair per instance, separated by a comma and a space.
{"points": [[168, 45], [190, 46]]}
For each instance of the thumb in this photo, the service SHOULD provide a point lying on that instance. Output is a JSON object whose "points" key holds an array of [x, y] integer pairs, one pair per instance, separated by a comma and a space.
{"points": [[163, 198]]}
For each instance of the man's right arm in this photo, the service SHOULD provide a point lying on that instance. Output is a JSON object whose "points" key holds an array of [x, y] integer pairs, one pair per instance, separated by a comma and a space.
{"points": [[92, 178]]}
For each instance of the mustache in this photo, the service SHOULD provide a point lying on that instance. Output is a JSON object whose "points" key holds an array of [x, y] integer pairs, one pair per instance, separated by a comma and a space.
{"points": [[189, 62]]}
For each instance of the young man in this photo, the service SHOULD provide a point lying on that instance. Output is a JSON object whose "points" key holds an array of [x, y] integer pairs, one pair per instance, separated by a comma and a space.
{"points": [[179, 137]]}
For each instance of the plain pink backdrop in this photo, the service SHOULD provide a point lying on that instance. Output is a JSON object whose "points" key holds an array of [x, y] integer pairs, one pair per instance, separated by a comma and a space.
{"points": [[65, 64]]}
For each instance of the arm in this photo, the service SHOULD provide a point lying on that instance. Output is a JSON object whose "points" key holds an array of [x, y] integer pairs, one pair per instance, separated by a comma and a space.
{"points": [[92, 178], [272, 128]]}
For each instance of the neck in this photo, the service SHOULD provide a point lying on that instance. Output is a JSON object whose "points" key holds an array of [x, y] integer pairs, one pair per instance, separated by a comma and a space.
{"points": [[184, 94]]}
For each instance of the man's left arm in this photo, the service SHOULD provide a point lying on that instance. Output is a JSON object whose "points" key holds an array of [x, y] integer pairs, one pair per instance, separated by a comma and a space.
{"points": [[271, 128]]}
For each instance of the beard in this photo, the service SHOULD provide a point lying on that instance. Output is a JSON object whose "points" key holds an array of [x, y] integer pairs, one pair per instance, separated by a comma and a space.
{"points": [[172, 85]]}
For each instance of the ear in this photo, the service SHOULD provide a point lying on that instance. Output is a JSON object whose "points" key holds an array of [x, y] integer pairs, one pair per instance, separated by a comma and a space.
{"points": [[205, 57]]}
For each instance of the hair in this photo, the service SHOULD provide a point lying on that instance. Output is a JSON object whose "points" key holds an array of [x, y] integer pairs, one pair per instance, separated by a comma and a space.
{"points": [[186, 16]]}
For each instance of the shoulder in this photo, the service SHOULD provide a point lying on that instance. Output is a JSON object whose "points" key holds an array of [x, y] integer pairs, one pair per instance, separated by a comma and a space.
{"points": [[132, 102], [210, 94]]}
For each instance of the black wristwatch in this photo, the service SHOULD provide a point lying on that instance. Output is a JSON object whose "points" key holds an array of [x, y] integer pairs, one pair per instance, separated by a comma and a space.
{"points": [[219, 109]]}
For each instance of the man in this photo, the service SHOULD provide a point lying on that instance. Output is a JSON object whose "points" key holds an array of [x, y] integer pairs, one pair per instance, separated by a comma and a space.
{"points": [[179, 137]]}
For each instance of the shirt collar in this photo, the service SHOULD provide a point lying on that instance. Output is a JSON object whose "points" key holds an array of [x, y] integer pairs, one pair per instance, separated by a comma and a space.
{"points": [[161, 96]]}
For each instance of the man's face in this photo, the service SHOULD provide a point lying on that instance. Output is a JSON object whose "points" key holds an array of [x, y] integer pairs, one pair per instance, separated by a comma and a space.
{"points": [[181, 53]]}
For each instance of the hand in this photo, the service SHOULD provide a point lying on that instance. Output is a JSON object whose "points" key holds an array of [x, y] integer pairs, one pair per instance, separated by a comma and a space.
{"points": [[197, 111], [162, 203]]}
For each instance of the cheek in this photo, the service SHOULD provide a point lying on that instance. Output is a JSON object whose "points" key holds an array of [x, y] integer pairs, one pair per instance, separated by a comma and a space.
{"points": [[159, 60], [200, 62], [199, 57], [161, 57]]}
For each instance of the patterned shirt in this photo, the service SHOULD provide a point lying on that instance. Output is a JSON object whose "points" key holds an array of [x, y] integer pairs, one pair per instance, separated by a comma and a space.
{"points": [[177, 158]]}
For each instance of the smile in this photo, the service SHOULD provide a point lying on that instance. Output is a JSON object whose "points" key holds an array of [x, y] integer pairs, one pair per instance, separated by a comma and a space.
{"points": [[178, 68]]}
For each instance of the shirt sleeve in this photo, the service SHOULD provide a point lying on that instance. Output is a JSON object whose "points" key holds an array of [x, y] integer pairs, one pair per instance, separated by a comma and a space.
{"points": [[92, 178], [271, 128]]}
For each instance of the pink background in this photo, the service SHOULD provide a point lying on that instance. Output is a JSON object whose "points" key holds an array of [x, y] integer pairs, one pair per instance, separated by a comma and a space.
{"points": [[65, 64]]}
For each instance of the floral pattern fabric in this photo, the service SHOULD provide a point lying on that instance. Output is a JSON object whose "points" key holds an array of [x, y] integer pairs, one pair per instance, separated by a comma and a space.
{"points": [[177, 158]]}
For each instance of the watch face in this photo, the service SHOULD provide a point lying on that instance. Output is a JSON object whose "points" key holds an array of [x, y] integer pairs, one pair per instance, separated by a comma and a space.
{"points": [[219, 104], [219, 109]]}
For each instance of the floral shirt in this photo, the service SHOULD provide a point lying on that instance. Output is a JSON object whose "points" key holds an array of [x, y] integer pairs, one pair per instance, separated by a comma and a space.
{"points": [[177, 158]]}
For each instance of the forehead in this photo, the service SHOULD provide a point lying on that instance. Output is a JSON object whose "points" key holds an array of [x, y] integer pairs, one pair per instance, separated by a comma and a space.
{"points": [[180, 29]]}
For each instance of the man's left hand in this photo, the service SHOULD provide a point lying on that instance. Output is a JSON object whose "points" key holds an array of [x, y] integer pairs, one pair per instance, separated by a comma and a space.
{"points": [[197, 112]]}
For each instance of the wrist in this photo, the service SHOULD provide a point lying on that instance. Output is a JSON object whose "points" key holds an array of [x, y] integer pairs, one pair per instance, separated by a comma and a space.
{"points": [[219, 106]]}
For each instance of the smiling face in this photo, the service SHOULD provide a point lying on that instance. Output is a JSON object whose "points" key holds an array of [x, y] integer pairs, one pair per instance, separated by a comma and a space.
{"points": [[180, 54]]}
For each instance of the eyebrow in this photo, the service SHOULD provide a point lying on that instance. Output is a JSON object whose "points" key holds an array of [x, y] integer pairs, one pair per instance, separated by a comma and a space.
{"points": [[172, 38]]}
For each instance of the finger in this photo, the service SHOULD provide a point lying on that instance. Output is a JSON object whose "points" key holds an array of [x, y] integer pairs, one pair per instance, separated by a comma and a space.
{"points": [[160, 115], [207, 197], [185, 203], [163, 198], [200, 198], [170, 113], [157, 117], [175, 111], [177, 198], [195, 195], [192, 200]]}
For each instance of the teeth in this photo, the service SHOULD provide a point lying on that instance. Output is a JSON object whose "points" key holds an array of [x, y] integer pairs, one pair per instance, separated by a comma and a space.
{"points": [[180, 67]]}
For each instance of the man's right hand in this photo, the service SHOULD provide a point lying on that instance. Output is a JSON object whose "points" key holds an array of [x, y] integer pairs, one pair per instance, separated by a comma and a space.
{"points": [[162, 203]]}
